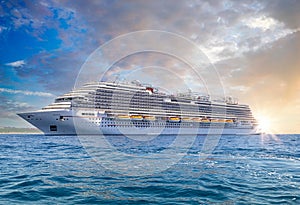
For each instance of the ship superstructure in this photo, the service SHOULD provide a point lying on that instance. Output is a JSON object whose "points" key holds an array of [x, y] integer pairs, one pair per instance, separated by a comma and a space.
{"points": [[139, 109]]}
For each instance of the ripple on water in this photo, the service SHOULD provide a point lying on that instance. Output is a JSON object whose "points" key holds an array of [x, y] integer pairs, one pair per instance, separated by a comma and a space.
{"points": [[242, 170]]}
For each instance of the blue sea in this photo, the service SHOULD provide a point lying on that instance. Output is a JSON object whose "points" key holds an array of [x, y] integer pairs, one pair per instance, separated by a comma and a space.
{"points": [[259, 169]]}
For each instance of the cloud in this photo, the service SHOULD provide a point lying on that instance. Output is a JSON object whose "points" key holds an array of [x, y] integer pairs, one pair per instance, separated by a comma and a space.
{"points": [[271, 76], [261, 22], [254, 44], [247, 35], [284, 11], [2, 28], [223, 30], [17, 105], [25, 92], [16, 64], [9, 108]]}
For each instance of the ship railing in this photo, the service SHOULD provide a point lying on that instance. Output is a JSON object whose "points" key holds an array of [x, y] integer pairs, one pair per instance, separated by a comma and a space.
{"points": [[226, 100]]}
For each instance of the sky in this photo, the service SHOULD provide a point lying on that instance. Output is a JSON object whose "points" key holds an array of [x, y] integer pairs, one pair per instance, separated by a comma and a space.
{"points": [[253, 45]]}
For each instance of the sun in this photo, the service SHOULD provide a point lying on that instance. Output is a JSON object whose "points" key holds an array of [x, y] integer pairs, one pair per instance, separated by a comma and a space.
{"points": [[264, 124]]}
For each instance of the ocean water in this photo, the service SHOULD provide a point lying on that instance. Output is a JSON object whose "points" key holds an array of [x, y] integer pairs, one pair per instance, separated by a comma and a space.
{"points": [[37, 169]]}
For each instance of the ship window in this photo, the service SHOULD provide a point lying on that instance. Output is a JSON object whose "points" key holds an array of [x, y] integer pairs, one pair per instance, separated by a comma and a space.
{"points": [[53, 128]]}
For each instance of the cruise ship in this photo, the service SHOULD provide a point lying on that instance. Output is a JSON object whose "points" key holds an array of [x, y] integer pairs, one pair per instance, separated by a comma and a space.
{"points": [[111, 108]]}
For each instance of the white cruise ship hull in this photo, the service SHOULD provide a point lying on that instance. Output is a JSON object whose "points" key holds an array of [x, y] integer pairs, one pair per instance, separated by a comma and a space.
{"points": [[66, 122]]}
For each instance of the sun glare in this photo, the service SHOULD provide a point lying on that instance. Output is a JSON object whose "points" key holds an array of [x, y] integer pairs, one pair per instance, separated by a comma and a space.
{"points": [[264, 124]]}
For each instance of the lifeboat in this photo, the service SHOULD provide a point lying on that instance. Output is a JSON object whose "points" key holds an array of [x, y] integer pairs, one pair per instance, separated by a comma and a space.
{"points": [[123, 117], [205, 120], [186, 119], [151, 118], [174, 119], [229, 121], [196, 119], [136, 117]]}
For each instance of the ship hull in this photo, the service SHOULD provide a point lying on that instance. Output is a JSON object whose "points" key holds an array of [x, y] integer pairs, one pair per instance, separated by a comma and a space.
{"points": [[66, 122]]}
